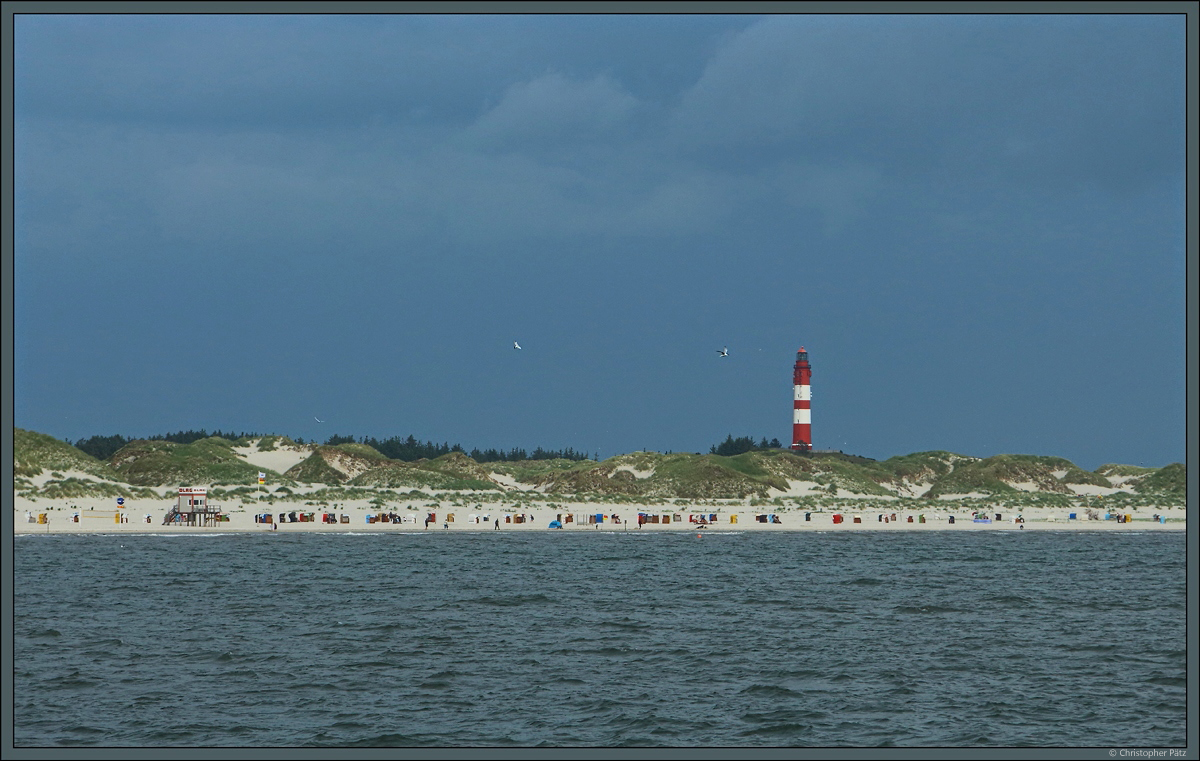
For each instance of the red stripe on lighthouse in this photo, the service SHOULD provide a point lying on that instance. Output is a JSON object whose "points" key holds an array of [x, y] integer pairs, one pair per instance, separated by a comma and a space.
{"points": [[802, 403]]}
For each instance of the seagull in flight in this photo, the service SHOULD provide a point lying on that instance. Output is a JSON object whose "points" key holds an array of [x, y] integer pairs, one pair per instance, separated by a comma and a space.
{"points": [[516, 345], [319, 420], [723, 352]]}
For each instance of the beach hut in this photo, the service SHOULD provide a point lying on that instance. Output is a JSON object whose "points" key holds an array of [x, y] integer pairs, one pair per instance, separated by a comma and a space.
{"points": [[951, 519], [733, 518], [858, 519], [837, 518]]}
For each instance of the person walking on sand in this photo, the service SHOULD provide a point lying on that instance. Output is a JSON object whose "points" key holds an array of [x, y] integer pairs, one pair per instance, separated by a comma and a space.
{"points": [[497, 524], [426, 523]]}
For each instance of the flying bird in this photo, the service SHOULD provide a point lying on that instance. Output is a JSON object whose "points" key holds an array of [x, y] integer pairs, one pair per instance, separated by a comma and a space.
{"points": [[516, 345], [723, 352], [319, 420]]}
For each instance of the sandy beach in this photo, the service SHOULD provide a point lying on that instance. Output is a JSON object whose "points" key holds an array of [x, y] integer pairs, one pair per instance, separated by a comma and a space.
{"points": [[99, 516]]}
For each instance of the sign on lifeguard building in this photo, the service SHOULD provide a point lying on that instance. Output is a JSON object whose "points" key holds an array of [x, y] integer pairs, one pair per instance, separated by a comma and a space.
{"points": [[192, 499]]}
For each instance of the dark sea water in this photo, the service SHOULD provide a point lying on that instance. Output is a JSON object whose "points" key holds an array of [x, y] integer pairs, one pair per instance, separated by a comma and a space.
{"points": [[505, 639]]}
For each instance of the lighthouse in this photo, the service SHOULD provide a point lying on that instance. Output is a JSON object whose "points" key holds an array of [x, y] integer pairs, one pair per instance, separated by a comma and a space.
{"points": [[802, 404]]}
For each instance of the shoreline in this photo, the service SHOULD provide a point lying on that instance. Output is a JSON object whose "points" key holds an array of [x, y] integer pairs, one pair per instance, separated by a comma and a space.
{"points": [[477, 518]]}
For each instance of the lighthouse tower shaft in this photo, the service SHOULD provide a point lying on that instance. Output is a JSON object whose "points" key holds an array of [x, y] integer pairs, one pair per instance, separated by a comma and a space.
{"points": [[802, 404]]}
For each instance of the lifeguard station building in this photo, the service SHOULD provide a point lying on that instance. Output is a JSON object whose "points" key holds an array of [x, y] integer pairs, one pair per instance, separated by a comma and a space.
{"points": [[192, 508]]}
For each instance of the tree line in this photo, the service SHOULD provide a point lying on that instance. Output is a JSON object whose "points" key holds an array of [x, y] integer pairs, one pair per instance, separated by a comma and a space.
{"points": [[407, 449], [104, 447], [395, 448], [410, 449], [731, 446]]}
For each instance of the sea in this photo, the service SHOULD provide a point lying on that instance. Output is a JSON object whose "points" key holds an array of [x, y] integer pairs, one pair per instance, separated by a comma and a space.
{"points": [[600, 640]]}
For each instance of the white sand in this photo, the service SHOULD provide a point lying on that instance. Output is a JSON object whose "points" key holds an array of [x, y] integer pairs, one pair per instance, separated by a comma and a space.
{"points": [[912, 488], [278, 459], [1023, 485], [97, 517], [1092, 490], [798, 489], [512, 484], [636, 473]]}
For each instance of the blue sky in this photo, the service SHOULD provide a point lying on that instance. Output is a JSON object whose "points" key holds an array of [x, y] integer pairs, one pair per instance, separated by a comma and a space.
{"points": [[974, 224]]}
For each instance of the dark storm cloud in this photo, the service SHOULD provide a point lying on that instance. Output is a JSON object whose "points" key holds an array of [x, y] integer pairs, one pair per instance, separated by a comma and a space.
{"points": [[819, 112], [1098, 97]]}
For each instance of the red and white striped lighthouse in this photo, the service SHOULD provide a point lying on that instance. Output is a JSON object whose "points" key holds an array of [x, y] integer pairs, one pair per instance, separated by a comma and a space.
{"points": [[802, 404]]}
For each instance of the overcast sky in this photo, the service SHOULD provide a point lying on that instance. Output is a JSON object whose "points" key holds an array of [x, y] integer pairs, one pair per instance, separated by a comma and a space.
{"points": [[974, 224]]}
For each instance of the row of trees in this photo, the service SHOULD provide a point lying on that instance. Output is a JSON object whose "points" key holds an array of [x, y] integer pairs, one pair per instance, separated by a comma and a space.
{"points": [[515, 454], [731, 446], [104, 447], [396, 448], [408, 449]]}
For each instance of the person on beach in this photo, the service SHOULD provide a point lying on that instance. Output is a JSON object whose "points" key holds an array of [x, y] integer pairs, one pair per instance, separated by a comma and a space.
{"points": [[426, 523], [497, 524]]}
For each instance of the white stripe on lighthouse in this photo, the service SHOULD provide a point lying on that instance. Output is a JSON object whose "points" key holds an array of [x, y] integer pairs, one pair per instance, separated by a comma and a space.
{"points": [[803, 393], [801, 416]]}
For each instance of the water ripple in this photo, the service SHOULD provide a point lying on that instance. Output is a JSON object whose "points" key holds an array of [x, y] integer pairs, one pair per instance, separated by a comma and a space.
{"points": [[820, 639]]}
